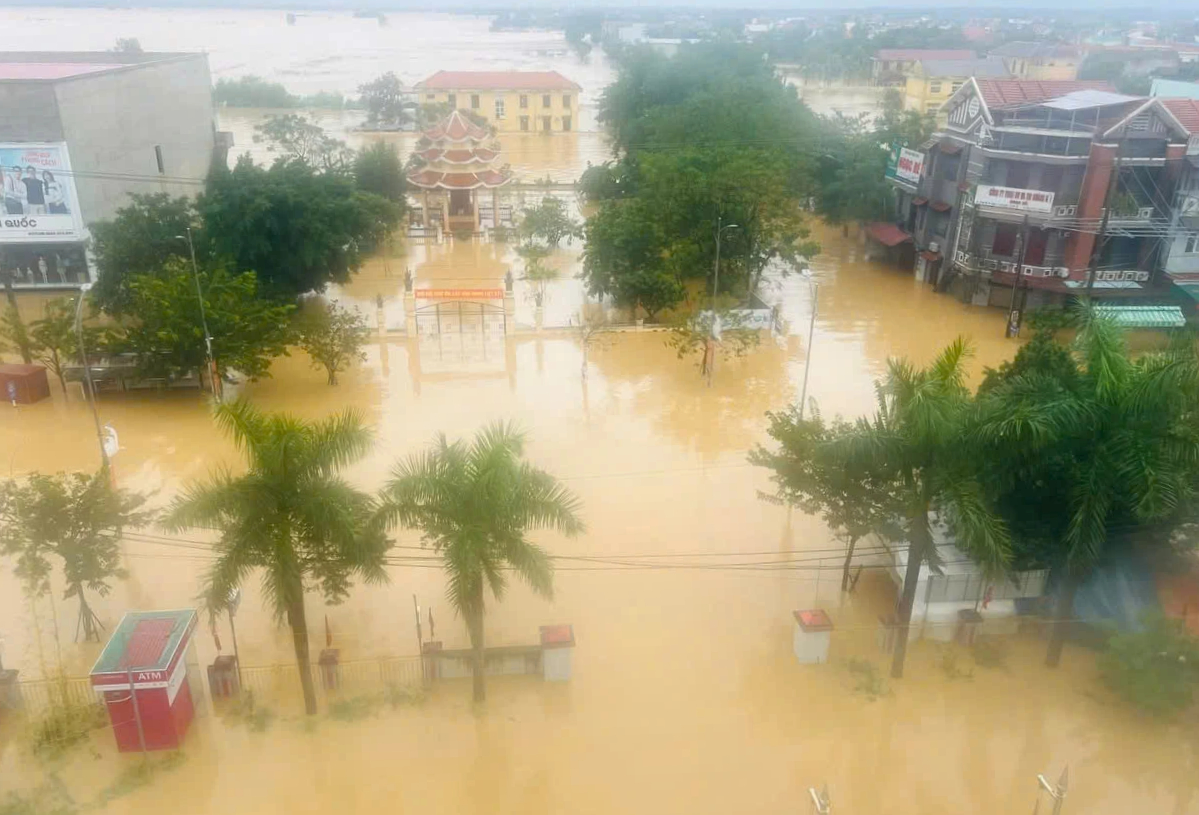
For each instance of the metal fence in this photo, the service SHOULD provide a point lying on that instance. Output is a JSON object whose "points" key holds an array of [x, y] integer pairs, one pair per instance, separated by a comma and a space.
{"points": [[348, 678], [40, 695]]}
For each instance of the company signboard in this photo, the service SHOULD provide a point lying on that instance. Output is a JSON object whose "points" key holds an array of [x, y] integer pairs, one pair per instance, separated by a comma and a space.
{"points": [[1017, 200], [905, 165], [39, 199]]}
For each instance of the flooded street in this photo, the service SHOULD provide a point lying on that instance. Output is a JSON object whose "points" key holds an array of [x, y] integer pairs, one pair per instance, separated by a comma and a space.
{"points": [[685, 696]]}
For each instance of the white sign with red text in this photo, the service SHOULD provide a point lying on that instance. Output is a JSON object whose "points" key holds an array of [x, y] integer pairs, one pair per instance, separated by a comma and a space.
{"points": [[1019, 200]]}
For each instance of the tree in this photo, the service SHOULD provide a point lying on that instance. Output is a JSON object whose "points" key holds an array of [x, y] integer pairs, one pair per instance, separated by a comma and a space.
{"points": [[76, 518], [139, 241], [549, 221], [128, 45], [593, 332], [55, 341], [919, 445], [333, 336], [384, 101], [14, 334], [854, 504], [298, 137], [167, 333], [537, 274], [1107, 440], [253, 92], [475, 504], [296, 227], [624, 258], [710, 332], [378, 170], [290, 516]]}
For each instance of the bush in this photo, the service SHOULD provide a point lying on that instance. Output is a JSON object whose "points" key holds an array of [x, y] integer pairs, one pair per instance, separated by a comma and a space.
{"points": [[989, 652], [65, 726], [1156, 669], [252, 92]]}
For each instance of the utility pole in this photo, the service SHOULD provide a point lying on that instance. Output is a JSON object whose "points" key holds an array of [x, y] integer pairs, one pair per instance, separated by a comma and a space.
{"points": [[710, 350], [1057, 792], [1016, 315], [87, 373], [814, 291], [213, 378], [820, 801], [1097, 249]]}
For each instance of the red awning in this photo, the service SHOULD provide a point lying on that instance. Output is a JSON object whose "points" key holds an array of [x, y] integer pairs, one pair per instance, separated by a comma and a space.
{"points": [[921, 201], [941, 206], [930, 256], [887, 234], [949, 148]]}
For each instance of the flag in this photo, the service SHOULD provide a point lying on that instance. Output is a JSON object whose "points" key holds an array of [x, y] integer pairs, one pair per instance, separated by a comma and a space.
{"points": [[432, 630], [328, 633], [215, 636]]}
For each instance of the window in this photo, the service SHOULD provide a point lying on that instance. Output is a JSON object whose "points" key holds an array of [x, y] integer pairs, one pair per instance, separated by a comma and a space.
{"points": [[524, 101], [566, 101], [955, 87], [545, 124], [499, 107], [524, 124], [1192, 244], [932, 107], [452, 100], [566, 124], [162, 170], [934, 87], [545, 100], [430, 97], [474, 101], [1004, 243]]}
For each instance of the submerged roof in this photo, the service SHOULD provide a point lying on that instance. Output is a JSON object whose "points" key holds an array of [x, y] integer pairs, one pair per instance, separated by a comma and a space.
{"points": [[913, 54], [497, 81], [145, 640], [1035, 50]]}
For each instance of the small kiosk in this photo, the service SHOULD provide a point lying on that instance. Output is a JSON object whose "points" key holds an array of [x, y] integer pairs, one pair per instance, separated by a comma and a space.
{"points": [[813, 631], [141, 676], [557, 647]]}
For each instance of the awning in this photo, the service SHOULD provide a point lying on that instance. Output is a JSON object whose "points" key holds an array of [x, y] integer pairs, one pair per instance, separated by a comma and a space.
{"points": [[930, 256], [1143, 316], [1190, 289], [887, 234], [941, 206], [920, 201], [949, 148]]}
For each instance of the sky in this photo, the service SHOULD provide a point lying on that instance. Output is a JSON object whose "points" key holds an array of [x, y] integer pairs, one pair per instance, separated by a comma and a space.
{"points": [[1173, 8]]}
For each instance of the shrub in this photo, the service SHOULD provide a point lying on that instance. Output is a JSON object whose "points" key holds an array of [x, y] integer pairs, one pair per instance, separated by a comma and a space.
{"points": [[1156, 668], [64, 726]]}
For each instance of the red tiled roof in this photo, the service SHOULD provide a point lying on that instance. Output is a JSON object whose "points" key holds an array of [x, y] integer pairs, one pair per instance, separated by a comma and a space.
{"points": [[999, 93], [1186, 111], [887, 234], [147, 642], [497, 81], [456, 127], [432, 180], [913, 54]]}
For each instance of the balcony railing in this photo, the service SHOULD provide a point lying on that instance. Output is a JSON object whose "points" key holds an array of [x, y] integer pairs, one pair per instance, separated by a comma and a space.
{"points": [[987, 263]]}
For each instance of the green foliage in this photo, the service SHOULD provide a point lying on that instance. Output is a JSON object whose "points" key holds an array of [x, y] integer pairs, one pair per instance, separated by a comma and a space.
{"points": [[601, 182], [1155, 669], [989, 652], [383, 99], [550, 222], [826, 52], [403, 695], [537, 274], [298, 137], [141, 238], [55, 343], [48, 799], [290, 516], [141, 774], [14, 335], [692, 334], [167, 333], [868, 681], [624, 258], [246, 709], [297, 227], [948, 660], [475, 504], [253, 92], [332, 335], [127, 45], [64, 726], [378, 170]]}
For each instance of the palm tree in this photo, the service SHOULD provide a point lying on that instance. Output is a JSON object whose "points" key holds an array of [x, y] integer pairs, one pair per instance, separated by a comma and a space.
{"points": [[1104, 440], [917, 441], [289, 515], [475, 505]]}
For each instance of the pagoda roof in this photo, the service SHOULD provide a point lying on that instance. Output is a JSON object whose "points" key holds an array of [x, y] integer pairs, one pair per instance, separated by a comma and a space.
{"points": [[434, 179], [462, 155], [456, 127]]}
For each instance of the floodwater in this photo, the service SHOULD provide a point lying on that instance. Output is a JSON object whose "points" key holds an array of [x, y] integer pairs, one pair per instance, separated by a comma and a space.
{"points": [[685, 695]]}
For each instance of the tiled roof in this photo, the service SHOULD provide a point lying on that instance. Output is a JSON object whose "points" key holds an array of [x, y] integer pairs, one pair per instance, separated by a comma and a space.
{"points": [[914, 54], [990, 67], [53, 70], [998, 93], [497, 81], [1186, 111], [1034, 50], [432, 179], [457, 128]]}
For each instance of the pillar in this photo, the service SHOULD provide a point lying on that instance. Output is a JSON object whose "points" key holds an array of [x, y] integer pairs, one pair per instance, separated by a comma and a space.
{"points": [[474, 205], [410, 313], [1091, 198], [495, 206], [445, 212], [424, 211]]}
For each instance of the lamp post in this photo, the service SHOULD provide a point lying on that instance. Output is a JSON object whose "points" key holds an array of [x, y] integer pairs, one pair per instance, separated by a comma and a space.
{"points": [[814, 294], [212, 372], [711, 349], [87, 372]]}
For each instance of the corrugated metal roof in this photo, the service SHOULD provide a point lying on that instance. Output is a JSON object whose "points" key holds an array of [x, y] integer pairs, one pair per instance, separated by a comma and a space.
{"points": [[1143, 316], [1090, 98], [145, 640]]}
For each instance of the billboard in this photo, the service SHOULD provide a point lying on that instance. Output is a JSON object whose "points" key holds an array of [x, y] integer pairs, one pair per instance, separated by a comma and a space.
{"points": [[1034, 201], [40, 203], [905, 165]]}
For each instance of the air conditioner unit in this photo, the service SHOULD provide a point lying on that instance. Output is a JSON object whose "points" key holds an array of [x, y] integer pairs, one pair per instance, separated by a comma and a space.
{"points": [[934, 246], [1145, 213], [1142, 277], [1062, 272], [1129, 276]]}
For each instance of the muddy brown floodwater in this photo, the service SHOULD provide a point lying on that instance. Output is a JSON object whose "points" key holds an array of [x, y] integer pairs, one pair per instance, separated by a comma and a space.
{"points": [[685, 695]]}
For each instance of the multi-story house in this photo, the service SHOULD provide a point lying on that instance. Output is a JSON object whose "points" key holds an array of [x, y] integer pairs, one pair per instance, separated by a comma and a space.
{"points": [[1040, 60], [1020, 179], [512, 101], [1181, 251], [891, 66], [933, 81]]}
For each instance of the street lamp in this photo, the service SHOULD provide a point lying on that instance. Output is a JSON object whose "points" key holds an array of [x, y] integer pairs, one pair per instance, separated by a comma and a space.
{"points": [[212, 372], [720, 228], [714, 329], [814, 294], [87, 372]]}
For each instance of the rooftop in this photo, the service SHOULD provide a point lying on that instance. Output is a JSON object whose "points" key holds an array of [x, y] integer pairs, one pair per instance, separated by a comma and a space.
{"points": [[915, 54], [1186, 111], [1035, 50], [498, 81], [1090, 98], [998, 93], [989, 67], [53, 66], [145, 640]]}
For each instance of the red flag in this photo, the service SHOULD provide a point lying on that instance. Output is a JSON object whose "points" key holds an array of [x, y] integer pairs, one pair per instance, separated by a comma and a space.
{"points": [[328, 633]]}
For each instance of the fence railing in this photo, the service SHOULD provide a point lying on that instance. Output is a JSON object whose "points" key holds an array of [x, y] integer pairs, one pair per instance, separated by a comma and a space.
{"points": [[39, 695]]}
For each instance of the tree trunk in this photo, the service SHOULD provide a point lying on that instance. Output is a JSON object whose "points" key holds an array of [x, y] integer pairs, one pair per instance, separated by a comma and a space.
{"points": [[23, 344], [920, 538], [1061, 625], [474, 625], [332, 375], [853, 541], [299, 630]]}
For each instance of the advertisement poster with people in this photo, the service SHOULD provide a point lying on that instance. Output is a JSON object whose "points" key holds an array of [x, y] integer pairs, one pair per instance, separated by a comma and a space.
{"points": [[39, 203]]}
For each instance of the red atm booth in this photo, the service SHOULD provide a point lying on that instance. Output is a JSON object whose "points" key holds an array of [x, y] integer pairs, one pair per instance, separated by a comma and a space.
{"points": [[141, 676]]}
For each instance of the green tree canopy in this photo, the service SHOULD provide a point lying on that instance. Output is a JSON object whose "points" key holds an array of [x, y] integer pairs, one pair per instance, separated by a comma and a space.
{"points": [[289, 516], [55, 343], [332, 336], [378, 170], [549, 221], [383, 99], [296, 136]]}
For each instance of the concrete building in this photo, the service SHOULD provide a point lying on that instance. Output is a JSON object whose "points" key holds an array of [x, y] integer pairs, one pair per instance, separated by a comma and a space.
{"points": [[1039, 60], [81, 132], [1181, 251], [933, 81], [891, 66], [1019, 180], [511, 101], [1174, 89]]}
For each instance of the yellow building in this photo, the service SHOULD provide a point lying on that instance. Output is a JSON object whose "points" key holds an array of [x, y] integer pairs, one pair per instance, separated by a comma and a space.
{"points": [[933, 81], [512, 101], [1040, 61], [890, 66]]}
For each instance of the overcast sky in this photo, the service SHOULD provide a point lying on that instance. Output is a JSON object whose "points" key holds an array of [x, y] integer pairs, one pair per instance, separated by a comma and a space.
{"points": [[1173, 8]]}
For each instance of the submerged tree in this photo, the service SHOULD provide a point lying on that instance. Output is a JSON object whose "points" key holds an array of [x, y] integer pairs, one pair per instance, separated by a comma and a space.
{"points": [[332, 335], [55, 340], [475, 503], [289, 515], [76, 518], [549, 221]]}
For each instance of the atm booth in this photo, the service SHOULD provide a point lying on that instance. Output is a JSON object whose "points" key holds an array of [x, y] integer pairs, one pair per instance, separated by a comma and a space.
{"points": [[142, 679]]}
